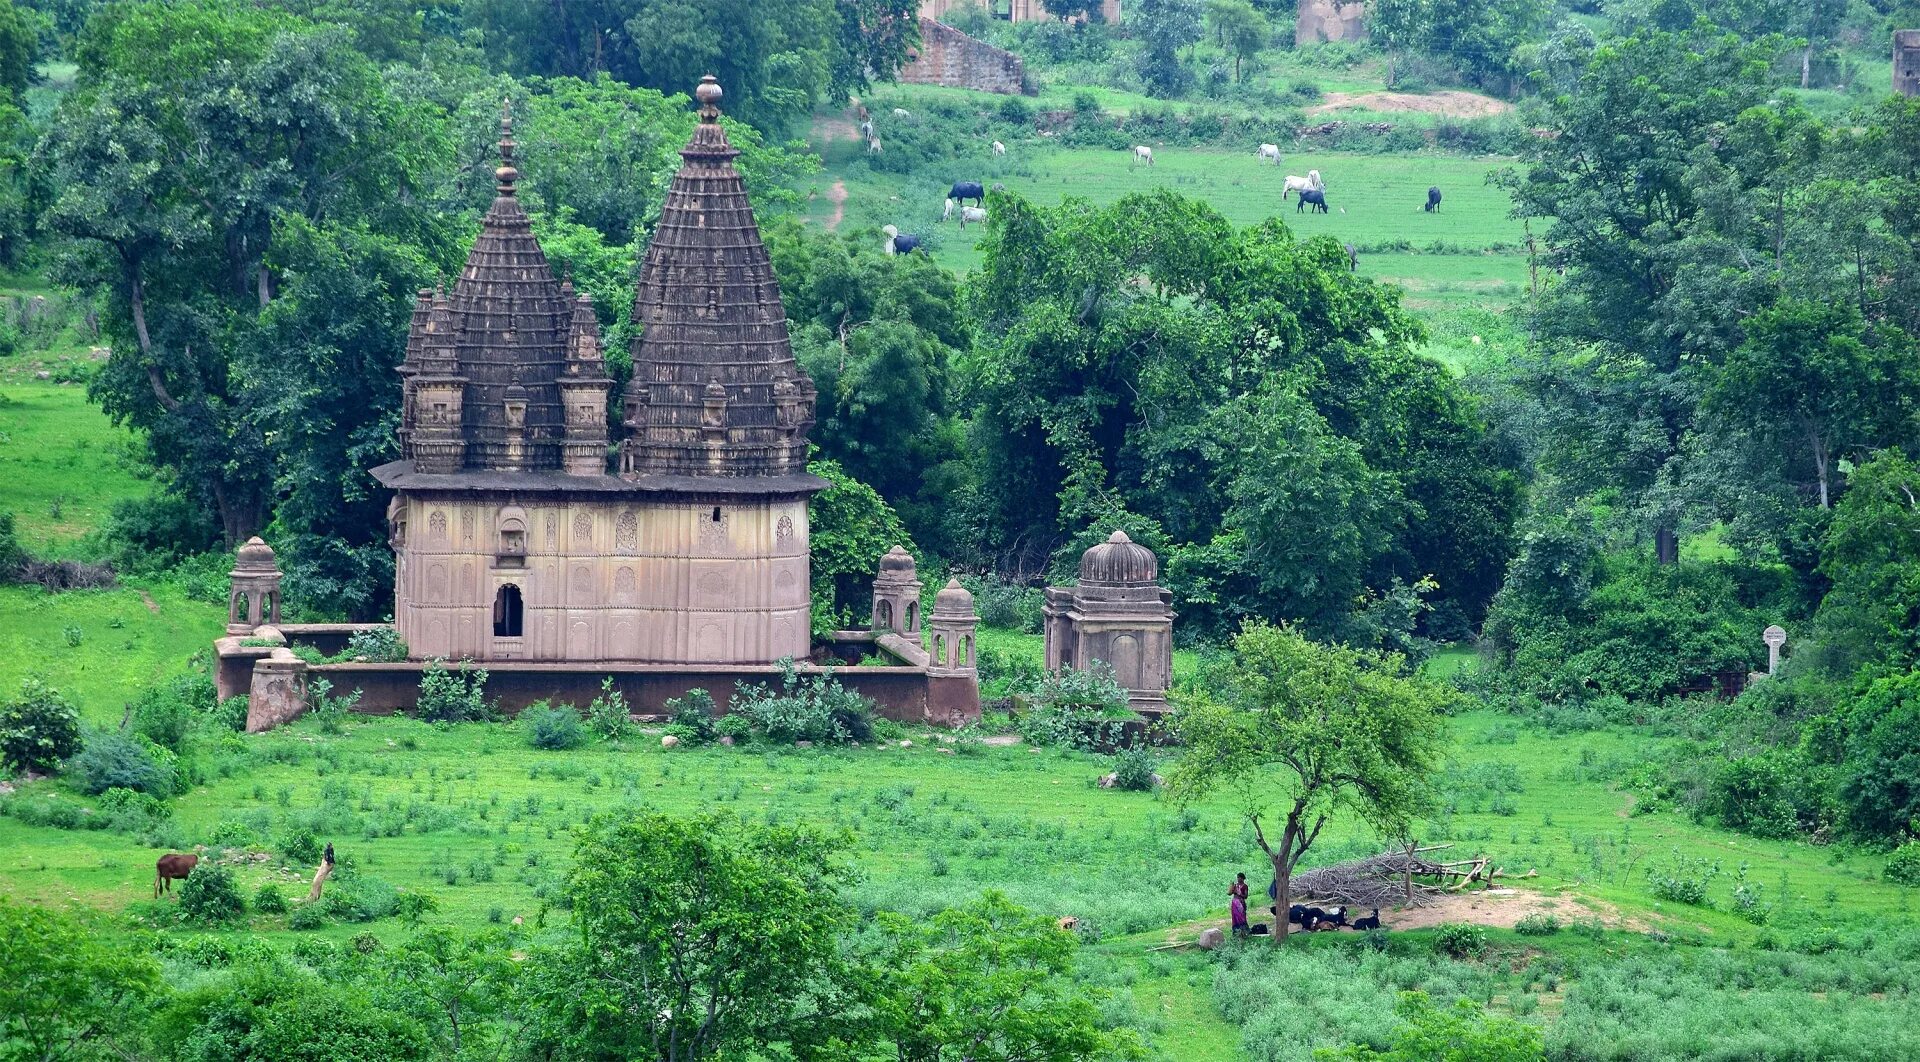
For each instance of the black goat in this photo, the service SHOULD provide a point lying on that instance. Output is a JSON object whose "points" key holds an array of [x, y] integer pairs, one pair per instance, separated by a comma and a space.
{"points": [[1313, 197], [1433, 199], [1371, 921]]}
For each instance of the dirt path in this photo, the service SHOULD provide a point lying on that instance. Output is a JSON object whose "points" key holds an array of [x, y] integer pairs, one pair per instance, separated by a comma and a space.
{"points": [[1445, 104], [837, 195], [152, 605]]}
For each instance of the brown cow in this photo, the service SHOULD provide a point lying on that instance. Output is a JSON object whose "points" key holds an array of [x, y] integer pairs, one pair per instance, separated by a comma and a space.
{"points": [[169, 867]]}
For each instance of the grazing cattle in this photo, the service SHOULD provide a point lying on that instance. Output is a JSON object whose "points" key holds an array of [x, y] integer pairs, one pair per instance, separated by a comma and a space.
{"points": [[1142, 153], [972, 215], [873, 146], [965, 190], [1296, 913], [1353, 258], [1433, 199], [999, 149], [1301, 184], [866, 130], [1312, 197], [899, 242], [169, 867], [1068, 922], [902, 112], [1270, 151], [1371, 921]]}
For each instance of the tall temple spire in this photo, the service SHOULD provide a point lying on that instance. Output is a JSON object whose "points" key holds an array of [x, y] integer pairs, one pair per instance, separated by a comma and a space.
{"points": [[715, 389]]}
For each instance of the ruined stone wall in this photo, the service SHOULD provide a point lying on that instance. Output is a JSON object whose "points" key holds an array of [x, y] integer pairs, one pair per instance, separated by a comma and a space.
{"points": [[668, 580], [952, 59], [1319, 21], [1906, 62], [1011, 10]]}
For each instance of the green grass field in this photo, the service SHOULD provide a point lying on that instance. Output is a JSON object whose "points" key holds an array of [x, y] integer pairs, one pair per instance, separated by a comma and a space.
{"points": [[62, 466]]}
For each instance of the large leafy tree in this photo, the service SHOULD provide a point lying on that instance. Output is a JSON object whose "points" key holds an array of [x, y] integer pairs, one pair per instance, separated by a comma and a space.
{"points": [[1303, 732], [70, 990], [697, 938], [987, 980]]}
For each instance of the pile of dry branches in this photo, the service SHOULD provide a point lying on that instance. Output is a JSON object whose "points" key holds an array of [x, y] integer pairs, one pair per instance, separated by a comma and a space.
{"points": [[1393, 879]]}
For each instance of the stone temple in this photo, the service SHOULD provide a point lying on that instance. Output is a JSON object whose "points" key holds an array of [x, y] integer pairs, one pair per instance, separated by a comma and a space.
{"points": [[515, 539], [537, 538]]}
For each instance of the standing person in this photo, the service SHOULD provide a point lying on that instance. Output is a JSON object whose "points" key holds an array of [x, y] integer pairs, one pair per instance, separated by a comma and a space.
{"points": [[1237, 903], [328, 858]]}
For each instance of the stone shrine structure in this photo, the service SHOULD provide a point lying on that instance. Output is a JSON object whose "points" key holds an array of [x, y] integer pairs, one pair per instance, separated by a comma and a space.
{"points": [[522, 544], [512, 538], [1012, 10], [255, 595], [1906, 62], [1320, 21], [1116, 614], [948, 57]]}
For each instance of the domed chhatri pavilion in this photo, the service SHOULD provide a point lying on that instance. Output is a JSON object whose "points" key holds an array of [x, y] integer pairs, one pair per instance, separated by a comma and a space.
{"points": [[513, 537], [1116, 614]]}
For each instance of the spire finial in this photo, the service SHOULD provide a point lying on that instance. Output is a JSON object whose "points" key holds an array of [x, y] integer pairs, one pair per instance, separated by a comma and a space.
{"points": [[709, 96], [506, 174]]}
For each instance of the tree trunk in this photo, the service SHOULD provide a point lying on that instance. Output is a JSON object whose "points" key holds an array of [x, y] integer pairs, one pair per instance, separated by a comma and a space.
{"points": [[1282, 896], [1820, 467], [1666, 544], [1806, 66], [319, 878]]}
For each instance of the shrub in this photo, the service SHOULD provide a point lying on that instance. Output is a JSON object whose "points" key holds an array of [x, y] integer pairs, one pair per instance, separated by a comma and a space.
{"points": [[165, 714], [12, 555], [307, 916], [550, 727], [358, 897], [270, 900], [328, 710], [378, 645], [300, 847], [111, 759], [1684, 881], [210, 894], [1134, 767], [453, 695], [1903, 866], [411, 907], [1462, 940], [1008, 606], [1537, 925], [39, 729], [695, 713], [1078, 709], [805, 708], [230, 714], [608, 716], [739, 727]]}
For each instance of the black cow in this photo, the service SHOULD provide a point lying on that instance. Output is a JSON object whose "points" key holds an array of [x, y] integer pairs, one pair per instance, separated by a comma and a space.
{"points": [[1433, 199], [1313, 197], [906, 243], [965, 190]]}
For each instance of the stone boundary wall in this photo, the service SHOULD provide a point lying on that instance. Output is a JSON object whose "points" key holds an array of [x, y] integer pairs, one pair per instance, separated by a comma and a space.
{"points": [[276, 681], [952, 59], [1906, 62], [1319, 21]]}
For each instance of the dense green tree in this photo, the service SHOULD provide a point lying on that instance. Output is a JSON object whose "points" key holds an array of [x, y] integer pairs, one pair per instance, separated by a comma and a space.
{"points": [[849, 526], [70, 991], [987, 980], [1303, 732], [455, 984], [282, 1012], [774, 58], [697, 938], [1871, 554], [1481, 41], [1239, 29], [1164, 27]]}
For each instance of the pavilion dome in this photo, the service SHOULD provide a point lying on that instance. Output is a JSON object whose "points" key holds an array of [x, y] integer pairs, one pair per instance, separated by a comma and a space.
{"points": [[897, 562], [255, 556], [1119, 561], [953, 599]]}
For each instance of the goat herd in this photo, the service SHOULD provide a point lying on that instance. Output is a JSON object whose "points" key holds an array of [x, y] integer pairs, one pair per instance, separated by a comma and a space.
{"points": [[1316, 920], [1310, 191]]}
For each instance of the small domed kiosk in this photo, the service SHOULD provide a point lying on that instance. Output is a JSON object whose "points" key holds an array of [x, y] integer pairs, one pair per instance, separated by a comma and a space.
{"points": [[255, 597], [1118, 614], [896, 594]]}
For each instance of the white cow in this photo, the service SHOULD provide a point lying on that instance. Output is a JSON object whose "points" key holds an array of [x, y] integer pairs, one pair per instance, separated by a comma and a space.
{"points": [[1270, 151], [902, 112], [1142, 153], [873, 148], [1301, 184], [999, 149], [975, 215]]}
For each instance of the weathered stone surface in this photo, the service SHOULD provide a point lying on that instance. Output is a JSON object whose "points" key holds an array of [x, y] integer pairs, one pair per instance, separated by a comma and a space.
{"points": [[1210, 939], [1116, 614], [279, 691], [1906, 62], [1317, 21], [951, 58]]}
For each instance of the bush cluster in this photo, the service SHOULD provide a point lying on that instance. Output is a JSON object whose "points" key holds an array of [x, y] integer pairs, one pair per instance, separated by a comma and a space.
{"points": [[453, 695], [38, 729], [1082, 709], [549, 726], [812, 707], [210, 894]]}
